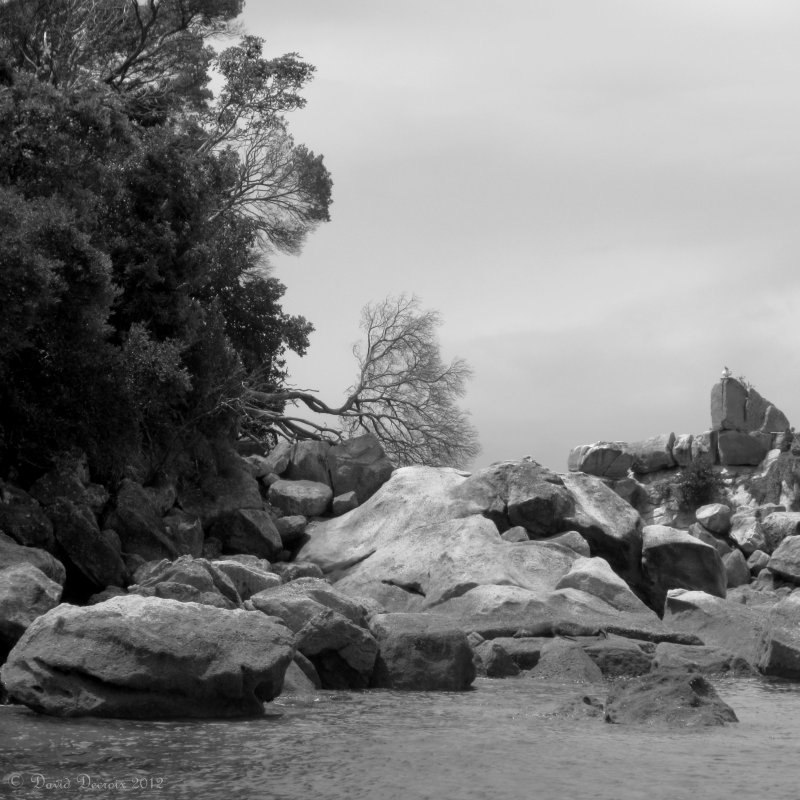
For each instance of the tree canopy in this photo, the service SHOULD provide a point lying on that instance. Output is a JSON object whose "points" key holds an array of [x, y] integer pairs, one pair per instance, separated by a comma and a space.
{"points": [[137, 214], [136, 210]]}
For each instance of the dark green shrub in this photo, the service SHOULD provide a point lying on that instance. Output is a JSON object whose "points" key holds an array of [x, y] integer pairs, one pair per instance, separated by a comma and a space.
{"points": [[697, 485]]}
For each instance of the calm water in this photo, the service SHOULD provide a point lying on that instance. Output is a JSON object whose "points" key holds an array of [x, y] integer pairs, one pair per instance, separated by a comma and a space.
{"points": [[496, 742]]}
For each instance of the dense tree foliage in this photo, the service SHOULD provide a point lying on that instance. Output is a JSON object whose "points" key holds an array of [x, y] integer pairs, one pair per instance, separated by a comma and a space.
{"points": [[135, 212]]}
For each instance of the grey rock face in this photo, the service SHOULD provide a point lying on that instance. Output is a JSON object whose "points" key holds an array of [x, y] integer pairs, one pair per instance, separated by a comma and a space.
{"points": [[741, 449], [565, 661], [728, 401], [736, 569], [667, 698], [603, 459], [248, 579], [247, 530], [139, 524], [85, 546], [25, 593], [618, 657], [714, 517], [24, 520], [12, 554], [291, 529], [779, 525], [308, 461], [187, 580], [185, 531], [301, 497], [610, 526], [358, 465], [653, 454], [746, 531], [342, 652], [493, 660], [673, 559], [147, 658], [421, 652], [343, 503], [785, 561], [699, 658]]}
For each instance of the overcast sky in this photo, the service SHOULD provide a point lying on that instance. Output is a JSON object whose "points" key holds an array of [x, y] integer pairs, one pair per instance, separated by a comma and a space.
{"points": [[599, 196]]}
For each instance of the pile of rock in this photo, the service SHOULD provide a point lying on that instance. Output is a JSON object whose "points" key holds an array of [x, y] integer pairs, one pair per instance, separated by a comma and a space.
{"points": [[183, 643], [744, 428], [239, 506], [314, 477], [209, 599]]}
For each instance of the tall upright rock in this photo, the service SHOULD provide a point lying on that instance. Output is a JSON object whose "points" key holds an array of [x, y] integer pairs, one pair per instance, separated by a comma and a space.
{"points": [[728, 403], [745, 422], [736, 407]]}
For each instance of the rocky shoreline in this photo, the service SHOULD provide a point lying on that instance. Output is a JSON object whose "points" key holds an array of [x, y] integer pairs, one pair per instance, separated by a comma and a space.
{"points": [[318, 566]]}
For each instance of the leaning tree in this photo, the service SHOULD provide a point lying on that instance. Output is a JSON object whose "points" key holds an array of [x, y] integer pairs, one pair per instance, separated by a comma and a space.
{"points": [[404, 393]]}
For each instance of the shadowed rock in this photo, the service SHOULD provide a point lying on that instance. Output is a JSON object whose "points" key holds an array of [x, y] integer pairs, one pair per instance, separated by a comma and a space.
{"points": [[25, 593], [421, 652], [12, 554], [673, 699], [673, 559]]}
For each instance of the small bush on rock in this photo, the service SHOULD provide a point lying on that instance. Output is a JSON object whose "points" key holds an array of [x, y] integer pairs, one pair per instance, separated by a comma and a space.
{"points": [[697, 485]]}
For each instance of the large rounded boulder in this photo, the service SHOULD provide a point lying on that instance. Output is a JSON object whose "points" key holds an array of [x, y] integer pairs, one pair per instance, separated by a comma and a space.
{"points": [[148, 658]]}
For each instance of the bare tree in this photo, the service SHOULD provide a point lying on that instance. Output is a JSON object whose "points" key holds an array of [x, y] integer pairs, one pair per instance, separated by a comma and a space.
{"points": [[404, 393]]}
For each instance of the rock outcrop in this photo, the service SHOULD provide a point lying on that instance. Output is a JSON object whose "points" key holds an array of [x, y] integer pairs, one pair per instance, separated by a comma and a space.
{"points": [[744, 428]]}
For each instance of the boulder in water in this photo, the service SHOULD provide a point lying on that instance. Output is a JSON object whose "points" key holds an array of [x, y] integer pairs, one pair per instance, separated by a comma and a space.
{"points": [[342, 652], [565, 661], [421, 652], [671, 698], [699, 658], [147, 658], [617, 656], [493, 660]]}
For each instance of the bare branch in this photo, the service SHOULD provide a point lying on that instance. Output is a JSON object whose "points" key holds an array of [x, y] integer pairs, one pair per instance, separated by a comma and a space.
{"points": [[404, 393]]}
